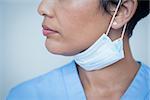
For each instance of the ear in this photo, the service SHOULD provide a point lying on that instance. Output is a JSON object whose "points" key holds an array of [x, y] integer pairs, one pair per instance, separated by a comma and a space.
{"points": [[125, 13]]}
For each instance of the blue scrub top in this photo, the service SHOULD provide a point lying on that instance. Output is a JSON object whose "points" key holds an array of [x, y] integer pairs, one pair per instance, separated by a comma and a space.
{"points": [[64, 84]]}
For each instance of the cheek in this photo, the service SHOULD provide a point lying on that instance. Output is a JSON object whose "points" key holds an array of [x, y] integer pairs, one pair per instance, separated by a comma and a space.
{"points": [[81, 25], [78, 13]]}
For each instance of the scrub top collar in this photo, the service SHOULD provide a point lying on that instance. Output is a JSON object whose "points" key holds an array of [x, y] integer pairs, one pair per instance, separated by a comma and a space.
{"points": [[72, 82], [75, 89]]}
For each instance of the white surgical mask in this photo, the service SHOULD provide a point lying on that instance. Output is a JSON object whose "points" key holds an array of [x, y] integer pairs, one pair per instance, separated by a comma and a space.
{"points": [[103, 52]]}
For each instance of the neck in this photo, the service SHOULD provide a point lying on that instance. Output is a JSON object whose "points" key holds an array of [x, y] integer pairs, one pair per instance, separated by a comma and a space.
{"points": [[116, 77]]}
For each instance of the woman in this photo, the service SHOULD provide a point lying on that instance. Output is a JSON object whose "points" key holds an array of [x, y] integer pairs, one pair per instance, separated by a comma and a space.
{"points": [[96, 33]]}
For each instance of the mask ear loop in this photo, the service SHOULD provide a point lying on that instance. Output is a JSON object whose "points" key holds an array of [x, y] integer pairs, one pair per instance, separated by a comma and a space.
{"points": [[123, 32], [112, 20]]}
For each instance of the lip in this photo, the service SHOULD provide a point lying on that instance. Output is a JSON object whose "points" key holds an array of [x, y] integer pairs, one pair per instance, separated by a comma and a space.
{"points": [[48, 31]]}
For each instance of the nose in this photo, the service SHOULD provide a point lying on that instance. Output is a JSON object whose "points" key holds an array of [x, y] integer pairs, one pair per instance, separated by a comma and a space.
{"points": [[46, 8]]}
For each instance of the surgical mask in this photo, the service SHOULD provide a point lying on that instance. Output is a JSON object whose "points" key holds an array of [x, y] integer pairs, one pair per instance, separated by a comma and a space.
{"points": [[103, 52]]}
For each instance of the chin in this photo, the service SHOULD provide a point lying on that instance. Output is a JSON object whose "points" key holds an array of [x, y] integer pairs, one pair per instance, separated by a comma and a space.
{"points": [[60, 50]]}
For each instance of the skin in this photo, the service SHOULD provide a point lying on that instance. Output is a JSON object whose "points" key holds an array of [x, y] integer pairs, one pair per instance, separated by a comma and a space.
{"points": [[80, 23]]}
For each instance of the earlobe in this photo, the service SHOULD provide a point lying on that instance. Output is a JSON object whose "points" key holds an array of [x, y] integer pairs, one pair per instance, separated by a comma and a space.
{"points": [[125, 13], [114, 23]]}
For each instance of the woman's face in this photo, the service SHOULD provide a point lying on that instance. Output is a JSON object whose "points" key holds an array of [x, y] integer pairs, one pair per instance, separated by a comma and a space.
{"points": [[79, 23]]}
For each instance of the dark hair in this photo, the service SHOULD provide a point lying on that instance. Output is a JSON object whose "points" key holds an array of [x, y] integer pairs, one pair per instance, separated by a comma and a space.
{"points": [[141, 12]]}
